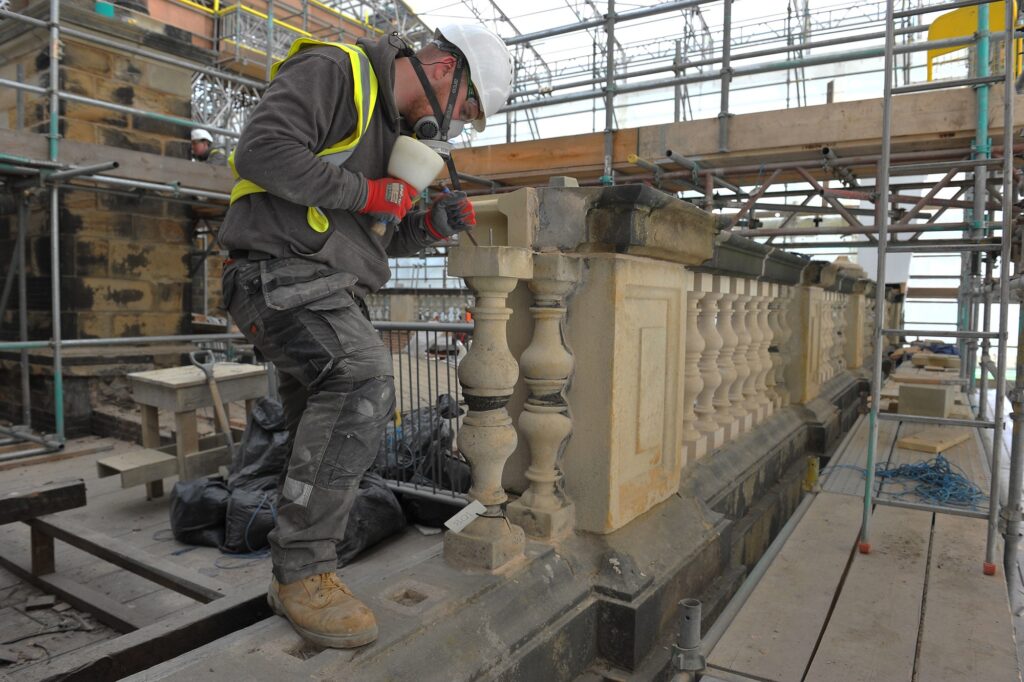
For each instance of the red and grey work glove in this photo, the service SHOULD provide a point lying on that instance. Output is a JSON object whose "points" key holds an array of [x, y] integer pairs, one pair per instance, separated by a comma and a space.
{"points": [[388, 199], [451, 213]]}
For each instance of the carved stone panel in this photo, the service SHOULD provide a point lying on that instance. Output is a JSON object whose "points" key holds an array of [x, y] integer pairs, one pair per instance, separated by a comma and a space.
{"points": [[626, 325], [855, 322], [804, 372]]}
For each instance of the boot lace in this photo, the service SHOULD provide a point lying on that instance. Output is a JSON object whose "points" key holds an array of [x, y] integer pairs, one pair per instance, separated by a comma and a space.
{"points": [[330, 582]]}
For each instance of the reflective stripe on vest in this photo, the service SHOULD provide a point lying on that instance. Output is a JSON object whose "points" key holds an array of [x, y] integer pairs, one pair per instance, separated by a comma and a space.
{"points": [[365, 96]]}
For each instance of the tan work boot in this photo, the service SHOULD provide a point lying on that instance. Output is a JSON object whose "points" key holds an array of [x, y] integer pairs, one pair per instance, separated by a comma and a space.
{"points": [[323, 611]]}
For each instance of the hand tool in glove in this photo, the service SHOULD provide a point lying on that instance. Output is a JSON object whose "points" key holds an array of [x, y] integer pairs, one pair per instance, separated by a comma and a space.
{"points": [[450, 214]]}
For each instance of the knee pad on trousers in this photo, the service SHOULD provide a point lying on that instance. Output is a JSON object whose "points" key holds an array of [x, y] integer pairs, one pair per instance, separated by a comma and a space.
{"points": [[373, 398]]}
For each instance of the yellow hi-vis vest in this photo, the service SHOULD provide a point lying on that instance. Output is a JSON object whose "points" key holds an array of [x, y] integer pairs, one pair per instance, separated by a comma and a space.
{"points": [[365, 92]]}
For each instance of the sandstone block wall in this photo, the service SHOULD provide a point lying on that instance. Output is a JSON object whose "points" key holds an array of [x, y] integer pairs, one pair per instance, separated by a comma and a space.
{"points": [[124, 256]]}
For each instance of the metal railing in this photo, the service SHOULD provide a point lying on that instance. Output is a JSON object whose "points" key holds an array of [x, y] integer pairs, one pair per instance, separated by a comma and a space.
{"points": [[419, 455]]}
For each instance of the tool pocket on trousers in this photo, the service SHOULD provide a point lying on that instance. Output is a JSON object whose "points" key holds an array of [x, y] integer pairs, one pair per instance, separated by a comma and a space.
{"points": [[353, 331], [289, 283]]}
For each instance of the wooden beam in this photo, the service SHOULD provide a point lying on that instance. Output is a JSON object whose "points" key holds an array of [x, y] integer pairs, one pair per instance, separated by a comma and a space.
{"points": [[924, 121], [943, 293], [47, 499], [536, 161], [107, 611], [129, 557], [173, 636], [133, 165]]}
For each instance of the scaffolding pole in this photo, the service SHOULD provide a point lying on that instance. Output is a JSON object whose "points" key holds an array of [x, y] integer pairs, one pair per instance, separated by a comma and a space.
{"points": [[58, 370], [882, 219], [1013, 501]]}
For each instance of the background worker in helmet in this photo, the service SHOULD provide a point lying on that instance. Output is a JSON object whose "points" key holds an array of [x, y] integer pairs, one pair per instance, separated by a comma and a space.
{"points": [[203, 149], [311, 183]]}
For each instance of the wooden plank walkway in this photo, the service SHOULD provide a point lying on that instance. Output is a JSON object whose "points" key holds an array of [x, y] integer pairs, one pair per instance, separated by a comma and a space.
{"points": [[876, 613], [961, 638], [918, 608], [140, 528], [775, 634]]}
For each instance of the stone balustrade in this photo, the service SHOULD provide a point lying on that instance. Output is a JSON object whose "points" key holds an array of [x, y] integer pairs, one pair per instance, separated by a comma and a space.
{"points": [[624, 341]]}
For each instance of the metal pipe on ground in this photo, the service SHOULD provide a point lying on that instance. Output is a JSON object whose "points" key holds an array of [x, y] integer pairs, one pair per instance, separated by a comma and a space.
{"points": [[11, 456], [26, 435]]}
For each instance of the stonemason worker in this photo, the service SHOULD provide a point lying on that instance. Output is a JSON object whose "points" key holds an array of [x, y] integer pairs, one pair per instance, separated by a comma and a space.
{"points": [[203, 149], [304, 252]]}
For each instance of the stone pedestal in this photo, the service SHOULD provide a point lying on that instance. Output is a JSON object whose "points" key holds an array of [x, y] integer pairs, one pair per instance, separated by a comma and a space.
{"points": [[804, 371], [854, 332], [626, 326]]}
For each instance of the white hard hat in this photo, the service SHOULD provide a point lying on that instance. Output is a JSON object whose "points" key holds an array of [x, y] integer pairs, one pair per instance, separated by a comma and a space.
{"points": [[200, 134], [490, 65]]}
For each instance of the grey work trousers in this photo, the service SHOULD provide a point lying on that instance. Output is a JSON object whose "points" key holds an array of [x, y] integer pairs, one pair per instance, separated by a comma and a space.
{"points": [[338, 393]]}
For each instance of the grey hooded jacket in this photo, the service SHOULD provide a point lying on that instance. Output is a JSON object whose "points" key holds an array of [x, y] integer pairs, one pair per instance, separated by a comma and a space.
{"points": [[307, 107]]}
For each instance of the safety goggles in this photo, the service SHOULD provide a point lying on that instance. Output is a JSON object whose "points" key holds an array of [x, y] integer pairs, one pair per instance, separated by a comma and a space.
{"points": [[471, 107]]}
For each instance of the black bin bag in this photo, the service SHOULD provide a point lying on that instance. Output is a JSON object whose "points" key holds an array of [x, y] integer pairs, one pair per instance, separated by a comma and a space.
{"points": [[197, 511]]}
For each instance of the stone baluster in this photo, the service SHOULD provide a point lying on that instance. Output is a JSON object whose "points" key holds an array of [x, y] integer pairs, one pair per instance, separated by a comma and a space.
{"points": [[830, 312], [826, 339], [724, 414], [771, 379], [710, 372], [785, 320], [831, 309], [543, 511], [692, 382], [764, 388], [753, 329], [740, 408], [841, 330], [488, 375]]}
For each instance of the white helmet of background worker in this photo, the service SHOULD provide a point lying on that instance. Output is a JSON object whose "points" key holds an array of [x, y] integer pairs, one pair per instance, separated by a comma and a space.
{"points": [[490, 66], [201, 134]]}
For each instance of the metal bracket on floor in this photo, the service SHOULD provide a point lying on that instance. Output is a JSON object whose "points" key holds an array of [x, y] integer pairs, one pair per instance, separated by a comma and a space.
{"points": [[688, 659]]}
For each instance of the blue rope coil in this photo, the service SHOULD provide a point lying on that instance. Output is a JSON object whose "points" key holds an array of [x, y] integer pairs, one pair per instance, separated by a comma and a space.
{"points": [[935, 480]]}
